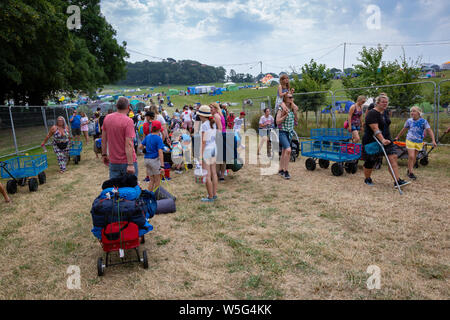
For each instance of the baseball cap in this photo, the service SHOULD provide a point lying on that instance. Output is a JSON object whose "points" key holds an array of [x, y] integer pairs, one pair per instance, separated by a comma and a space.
{"points": [[242, 113], [156, 125]]}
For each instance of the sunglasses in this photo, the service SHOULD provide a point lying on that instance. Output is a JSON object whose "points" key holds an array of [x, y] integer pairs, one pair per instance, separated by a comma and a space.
{"points": [[290, 97]]}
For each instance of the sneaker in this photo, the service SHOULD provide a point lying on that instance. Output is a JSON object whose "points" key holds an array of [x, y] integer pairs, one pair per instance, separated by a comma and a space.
{"points": [[208, 199], [214, 198], [221, 179], [178, 171], [287, 176], [147, 179], [369, 182], [401, 183], [411, 175], [281, 173]]}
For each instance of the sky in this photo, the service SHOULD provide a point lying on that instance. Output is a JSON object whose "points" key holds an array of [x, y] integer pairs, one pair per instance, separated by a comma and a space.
{"points": [[284, 34]]}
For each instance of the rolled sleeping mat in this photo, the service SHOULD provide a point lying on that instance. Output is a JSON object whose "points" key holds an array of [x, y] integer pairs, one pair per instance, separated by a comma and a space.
{"points": [[162, 194], [166, 206]]}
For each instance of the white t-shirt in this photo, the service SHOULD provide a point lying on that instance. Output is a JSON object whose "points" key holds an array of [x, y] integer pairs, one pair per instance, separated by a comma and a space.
{"points": [[187, 115], [210, 134], [160, 118], [264, 121], [238, 124], [165, 114]]}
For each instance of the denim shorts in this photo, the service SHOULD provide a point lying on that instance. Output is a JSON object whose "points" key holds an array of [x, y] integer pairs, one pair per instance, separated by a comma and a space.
{"points": [[285, 141], [355, 128], [117, 170]]}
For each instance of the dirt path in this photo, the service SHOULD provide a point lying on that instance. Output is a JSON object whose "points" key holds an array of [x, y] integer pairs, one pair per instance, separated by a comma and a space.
{"points": [[266, 238]]}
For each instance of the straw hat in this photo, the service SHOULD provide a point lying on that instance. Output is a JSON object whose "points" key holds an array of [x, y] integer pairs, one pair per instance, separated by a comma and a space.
{"points": [[204, 111]]}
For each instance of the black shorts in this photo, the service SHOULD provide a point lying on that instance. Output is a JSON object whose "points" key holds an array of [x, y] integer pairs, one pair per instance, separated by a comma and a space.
{"points": [[76, 132]]}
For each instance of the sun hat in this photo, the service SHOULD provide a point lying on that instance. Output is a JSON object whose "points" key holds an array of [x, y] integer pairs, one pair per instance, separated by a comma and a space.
{"points": [[204, 111]]}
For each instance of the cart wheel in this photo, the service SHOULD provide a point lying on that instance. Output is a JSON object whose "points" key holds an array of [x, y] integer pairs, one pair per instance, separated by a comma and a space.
{"points": [[310, 164], [11, 186], [337, 169], [292, 157], [424, 161], [351, 167], [354, 168], [42, 177], [145, 259], [33, 184], [324, 164], [22, 182], [100, 267]]}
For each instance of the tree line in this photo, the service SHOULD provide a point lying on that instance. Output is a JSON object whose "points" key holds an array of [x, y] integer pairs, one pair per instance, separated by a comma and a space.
{"points": [[371, 70], [41, 57], [170, 71]]}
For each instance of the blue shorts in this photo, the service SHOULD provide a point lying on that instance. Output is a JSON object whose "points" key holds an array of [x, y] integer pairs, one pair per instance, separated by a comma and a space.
{"points": [[285, 141], [355, 128], [118, 170], [263, 132]]}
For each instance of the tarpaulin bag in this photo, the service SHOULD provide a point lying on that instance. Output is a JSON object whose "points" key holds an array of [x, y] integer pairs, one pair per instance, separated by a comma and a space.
{"points": [[372, 148], [124, 235]]}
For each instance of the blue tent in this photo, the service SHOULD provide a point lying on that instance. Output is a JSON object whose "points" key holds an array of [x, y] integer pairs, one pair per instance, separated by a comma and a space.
{"points": [[340, 106]]}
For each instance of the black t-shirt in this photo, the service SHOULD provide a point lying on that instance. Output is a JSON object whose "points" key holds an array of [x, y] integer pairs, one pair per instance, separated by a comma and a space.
{"points": [[373, 116], [386, 132], [100, 121]]}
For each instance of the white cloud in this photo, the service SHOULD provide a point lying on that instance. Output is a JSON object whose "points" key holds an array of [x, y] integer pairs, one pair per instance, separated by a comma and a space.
{"points": [[238, 31]]}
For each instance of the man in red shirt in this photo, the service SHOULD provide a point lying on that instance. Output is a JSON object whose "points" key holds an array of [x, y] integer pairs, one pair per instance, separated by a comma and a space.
{"points": [[117, 137]]}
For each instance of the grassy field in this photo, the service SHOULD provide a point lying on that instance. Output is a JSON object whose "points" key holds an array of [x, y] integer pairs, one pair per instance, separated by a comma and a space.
{"points": [[312, 237]]}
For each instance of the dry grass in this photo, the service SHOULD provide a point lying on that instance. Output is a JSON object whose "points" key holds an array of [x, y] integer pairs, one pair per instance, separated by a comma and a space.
{"points": [[265, 238]]}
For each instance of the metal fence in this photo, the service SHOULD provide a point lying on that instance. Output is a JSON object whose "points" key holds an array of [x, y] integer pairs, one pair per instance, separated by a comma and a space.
{"points": [[23, 128], [433, 97]]}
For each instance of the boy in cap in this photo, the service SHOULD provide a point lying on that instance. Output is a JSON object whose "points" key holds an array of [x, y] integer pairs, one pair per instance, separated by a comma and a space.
{"points": [[154, 158]]}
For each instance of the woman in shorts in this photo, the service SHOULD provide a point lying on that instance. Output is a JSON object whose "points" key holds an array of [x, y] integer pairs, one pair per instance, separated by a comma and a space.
{"points": [[286, 122], [354, 118], [208, 151], [376, 125]]}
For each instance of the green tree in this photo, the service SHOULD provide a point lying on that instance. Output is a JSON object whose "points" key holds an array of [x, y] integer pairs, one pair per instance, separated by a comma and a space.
{"points": [[405, 96], [371, 71], [315, 78], [41, 57]]}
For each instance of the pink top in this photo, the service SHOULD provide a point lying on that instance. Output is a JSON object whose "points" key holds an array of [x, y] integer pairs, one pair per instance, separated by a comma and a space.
{"points": [[222, 119], [118, 127]]}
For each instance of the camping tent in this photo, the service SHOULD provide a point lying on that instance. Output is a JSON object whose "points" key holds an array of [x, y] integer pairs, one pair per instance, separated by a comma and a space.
{"points": [[340, 106], [232, 88], [134, 102], [446, 66], [229, 84], [173, 91]]}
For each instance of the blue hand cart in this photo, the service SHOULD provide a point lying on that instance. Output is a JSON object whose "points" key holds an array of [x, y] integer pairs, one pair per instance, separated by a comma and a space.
{"points": [[344, 154], [75, 151], [331, 134], [23, 168]]}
